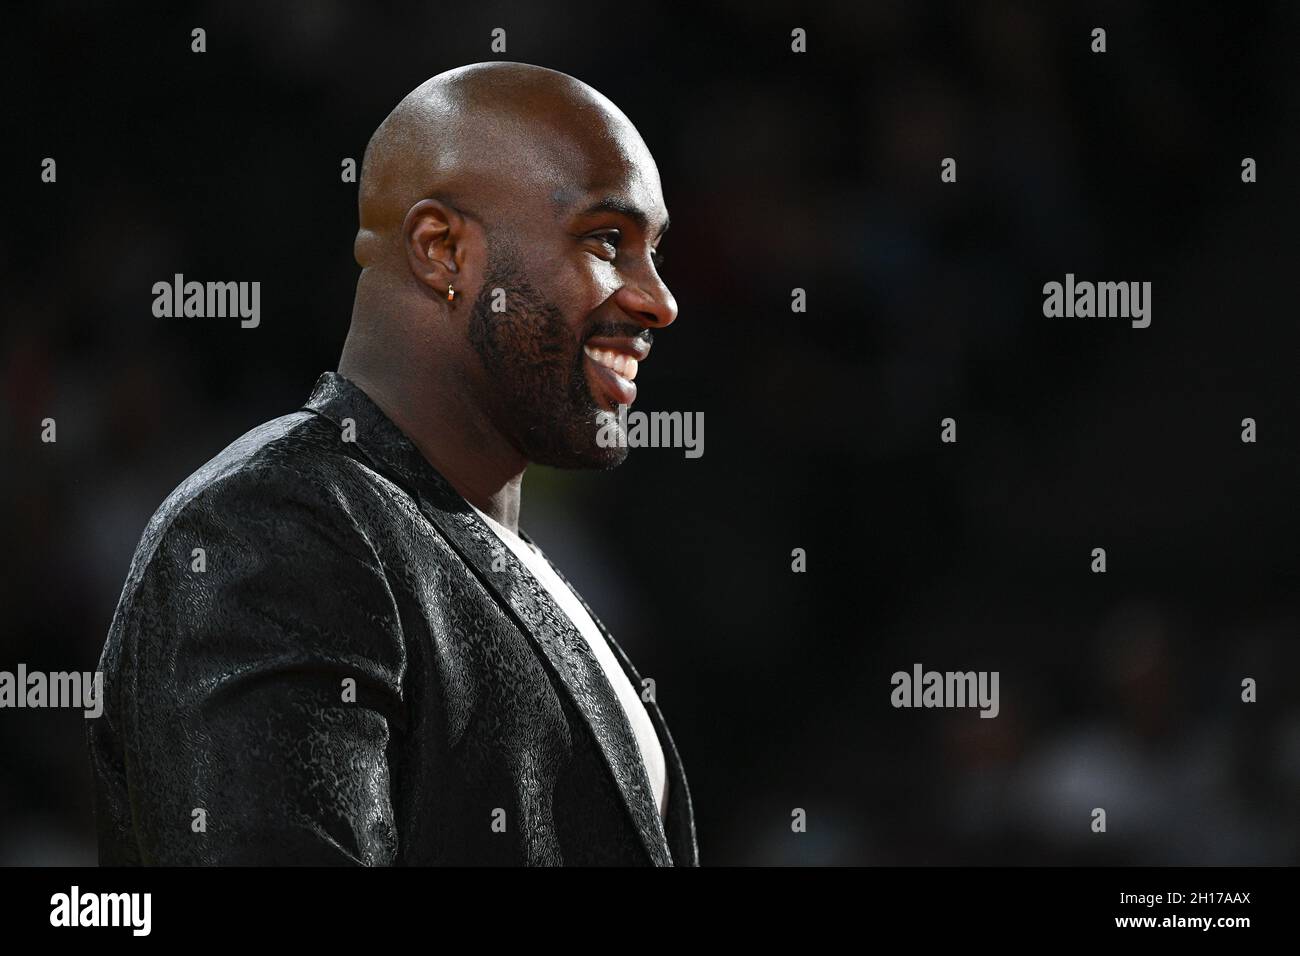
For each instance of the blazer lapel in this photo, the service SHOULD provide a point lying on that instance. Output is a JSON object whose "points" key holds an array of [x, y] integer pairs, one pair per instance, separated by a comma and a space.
{"points": [[680, 815], [533, 609]]}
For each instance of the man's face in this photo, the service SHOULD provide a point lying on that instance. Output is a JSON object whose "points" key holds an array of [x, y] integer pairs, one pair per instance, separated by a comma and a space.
{"points": [[577, 313]]}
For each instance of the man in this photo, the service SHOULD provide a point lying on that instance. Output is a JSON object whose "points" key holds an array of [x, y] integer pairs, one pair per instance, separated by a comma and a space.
{"points": [[334, 644]]}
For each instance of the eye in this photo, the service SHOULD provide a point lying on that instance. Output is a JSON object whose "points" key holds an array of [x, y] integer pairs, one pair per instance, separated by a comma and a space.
{"points": [[657, 258], [608, 237]]}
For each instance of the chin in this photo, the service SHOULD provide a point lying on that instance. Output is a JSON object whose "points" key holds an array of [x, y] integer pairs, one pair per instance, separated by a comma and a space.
{"points": [[607, 441], [592, 457], [576, 446], [607, 458]]}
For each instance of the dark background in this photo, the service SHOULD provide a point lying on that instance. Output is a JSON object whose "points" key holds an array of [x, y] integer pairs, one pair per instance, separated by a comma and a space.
{"points": [[780, 170]]}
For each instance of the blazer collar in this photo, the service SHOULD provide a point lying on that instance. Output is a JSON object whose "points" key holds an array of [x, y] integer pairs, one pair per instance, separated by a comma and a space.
{"points": [[680, 816], [534, 611]]}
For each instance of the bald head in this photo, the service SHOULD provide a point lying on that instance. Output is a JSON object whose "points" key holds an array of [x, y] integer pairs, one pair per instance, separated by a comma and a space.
{"points": [[510, 219], [481, 138]]}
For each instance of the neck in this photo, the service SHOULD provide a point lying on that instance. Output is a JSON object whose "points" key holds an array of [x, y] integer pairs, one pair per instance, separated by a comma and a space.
{"points": [[437, 412]]}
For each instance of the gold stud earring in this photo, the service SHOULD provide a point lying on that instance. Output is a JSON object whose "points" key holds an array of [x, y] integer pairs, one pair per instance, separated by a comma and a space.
{"points": [[451, 293]]}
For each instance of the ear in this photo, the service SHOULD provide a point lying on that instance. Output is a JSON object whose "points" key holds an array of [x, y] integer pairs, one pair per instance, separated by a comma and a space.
{"points": [[434, 235]]}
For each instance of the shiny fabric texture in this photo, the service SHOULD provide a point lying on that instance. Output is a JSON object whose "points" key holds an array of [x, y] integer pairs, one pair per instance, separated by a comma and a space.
{"points": [[297, 565]]}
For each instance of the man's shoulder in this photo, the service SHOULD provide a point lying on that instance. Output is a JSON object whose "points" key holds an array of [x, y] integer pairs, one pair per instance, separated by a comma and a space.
{"points": [[295, 467], [294, 451]]}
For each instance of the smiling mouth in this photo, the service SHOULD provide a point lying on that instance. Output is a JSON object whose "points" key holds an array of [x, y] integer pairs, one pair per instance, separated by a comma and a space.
{"points": [[613, 372]]}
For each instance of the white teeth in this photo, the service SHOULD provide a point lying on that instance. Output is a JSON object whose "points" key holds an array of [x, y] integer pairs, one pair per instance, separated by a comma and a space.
{"points": [[622, 365]]}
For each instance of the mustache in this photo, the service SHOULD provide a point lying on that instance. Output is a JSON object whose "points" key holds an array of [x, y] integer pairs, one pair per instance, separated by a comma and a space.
{"points": [[611, 329]]}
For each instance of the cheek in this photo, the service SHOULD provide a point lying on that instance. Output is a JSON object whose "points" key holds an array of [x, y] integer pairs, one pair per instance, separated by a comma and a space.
{"points": [[588, 283]]}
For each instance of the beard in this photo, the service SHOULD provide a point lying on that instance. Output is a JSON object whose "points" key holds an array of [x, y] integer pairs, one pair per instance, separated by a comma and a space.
{"points": [[535, 365]]}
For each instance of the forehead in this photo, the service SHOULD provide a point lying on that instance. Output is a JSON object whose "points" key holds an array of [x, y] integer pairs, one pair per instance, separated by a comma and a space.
{"points": [[609, 163], [546, 163]]}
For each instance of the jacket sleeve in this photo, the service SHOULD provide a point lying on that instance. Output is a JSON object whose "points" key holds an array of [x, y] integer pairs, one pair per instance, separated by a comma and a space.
{"points": [[261, 682]]}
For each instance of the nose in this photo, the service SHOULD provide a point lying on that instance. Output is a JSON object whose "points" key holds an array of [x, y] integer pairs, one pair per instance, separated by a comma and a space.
{"points": [[650, 302]]}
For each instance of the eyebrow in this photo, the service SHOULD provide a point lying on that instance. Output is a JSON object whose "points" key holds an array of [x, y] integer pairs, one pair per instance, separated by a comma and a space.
{"points": [[623, 208]]}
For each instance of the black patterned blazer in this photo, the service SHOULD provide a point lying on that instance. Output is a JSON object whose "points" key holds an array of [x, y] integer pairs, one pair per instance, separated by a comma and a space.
{"points": [[313, 661]]}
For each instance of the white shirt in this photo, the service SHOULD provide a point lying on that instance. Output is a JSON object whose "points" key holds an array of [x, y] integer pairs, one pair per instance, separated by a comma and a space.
{"points": [[652, 754]]}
